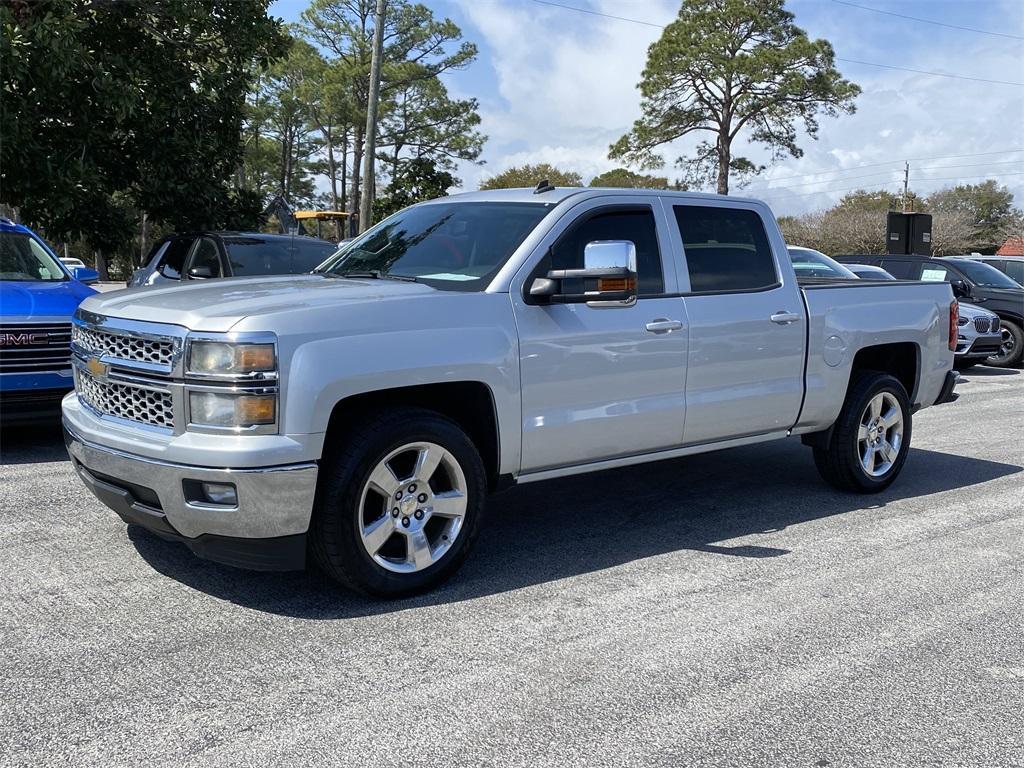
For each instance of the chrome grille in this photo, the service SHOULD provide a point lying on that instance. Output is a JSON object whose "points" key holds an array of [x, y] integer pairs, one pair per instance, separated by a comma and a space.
{"points": [[35, 347], [101, 343], [981, 324], [124, 401]]}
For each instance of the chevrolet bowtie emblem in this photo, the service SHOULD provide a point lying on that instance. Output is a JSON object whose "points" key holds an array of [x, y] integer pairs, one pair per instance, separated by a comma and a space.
{"points": [[96, 367]]}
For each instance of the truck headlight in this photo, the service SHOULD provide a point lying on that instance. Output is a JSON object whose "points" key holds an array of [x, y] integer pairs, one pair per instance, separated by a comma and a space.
{"points": [[231, 409], [221, 358]]}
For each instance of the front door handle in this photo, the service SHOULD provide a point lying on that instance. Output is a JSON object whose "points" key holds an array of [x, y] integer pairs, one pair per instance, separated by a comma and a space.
{"points": [[785, 318], [663, 325]]}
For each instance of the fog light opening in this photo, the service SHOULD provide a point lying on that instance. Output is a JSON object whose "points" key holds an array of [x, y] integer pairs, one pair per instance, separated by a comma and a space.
{"points": [[215, 494], [220, 493]]}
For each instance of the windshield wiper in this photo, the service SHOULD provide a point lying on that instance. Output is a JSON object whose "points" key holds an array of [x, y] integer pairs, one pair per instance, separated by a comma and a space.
{"points": [[374, 274]]}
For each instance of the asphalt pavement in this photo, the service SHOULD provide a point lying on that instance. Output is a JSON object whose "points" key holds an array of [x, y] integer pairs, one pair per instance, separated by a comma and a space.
{"points": [[720, 610]]}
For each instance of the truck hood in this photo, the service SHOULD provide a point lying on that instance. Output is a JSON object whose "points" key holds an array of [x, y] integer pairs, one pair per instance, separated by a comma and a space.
{"points": [[217, 305], [41, 299]]}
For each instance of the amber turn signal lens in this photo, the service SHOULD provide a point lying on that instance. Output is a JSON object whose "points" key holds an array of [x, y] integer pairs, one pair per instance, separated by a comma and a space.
{"points": [[253, 410], [608, 284], [254, 357]]}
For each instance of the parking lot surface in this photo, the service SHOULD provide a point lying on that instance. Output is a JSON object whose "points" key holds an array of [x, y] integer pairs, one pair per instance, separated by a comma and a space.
{"points": [[721, 610]]}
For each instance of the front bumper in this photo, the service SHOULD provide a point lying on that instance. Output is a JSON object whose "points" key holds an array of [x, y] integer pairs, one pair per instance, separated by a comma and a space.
{"points": [[265, 531], [981, 347]]}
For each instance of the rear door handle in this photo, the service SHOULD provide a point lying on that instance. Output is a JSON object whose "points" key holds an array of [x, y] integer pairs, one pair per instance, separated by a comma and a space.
{"points": [[784, 318], [663, 325]]}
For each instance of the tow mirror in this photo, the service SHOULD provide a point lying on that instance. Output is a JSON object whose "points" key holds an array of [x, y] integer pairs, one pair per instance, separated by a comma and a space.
{"points": [[608, 277]]}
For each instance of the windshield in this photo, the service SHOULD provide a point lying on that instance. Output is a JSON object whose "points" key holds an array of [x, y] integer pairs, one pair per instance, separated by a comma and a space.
{"points": [[985, 275], [810, 263], [25, 259], [452, 246]]}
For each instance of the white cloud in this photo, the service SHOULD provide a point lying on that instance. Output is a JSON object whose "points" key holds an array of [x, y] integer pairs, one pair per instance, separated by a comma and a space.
{"points": [[566, 89]]}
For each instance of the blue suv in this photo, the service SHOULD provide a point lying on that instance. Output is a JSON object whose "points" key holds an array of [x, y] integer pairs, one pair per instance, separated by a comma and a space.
{"points": [[38, 296]]}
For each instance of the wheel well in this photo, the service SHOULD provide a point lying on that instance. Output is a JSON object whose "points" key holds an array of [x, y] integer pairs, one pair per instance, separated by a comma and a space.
{"points": [[468, 403], [900, 360]]}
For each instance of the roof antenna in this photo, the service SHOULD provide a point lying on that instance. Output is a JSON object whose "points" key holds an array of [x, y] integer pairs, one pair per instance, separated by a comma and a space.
{"points": [[542, 187]]}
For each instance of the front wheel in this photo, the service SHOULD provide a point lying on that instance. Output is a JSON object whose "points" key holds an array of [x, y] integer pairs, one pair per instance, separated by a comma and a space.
{"points": [[871, 437], [399, 504], [1011, 348]]}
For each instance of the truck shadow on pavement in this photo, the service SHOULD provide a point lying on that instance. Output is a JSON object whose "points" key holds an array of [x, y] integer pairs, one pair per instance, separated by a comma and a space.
{"points": [[547, 531], [32, 444]]}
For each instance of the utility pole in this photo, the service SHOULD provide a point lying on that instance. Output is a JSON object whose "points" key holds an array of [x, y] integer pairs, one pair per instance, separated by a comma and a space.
{"points": [[906, 183], [366, 200]]}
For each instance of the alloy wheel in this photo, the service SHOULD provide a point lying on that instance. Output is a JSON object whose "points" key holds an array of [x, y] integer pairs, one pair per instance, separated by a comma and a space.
{"points": [[412, 507], [880, 435]]}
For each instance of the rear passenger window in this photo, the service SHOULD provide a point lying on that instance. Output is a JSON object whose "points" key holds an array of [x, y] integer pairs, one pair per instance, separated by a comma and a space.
{"points": [[726, 249], [901, 269], [636, 225]]}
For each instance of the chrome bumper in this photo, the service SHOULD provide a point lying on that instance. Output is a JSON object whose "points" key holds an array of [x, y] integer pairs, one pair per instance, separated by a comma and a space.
{"points": [[272, 501]]}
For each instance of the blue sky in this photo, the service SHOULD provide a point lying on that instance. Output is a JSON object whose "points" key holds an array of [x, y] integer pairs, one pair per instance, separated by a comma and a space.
{"points": [[559, 86]]}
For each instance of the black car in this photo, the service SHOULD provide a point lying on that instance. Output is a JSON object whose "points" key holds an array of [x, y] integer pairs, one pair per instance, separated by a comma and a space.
{"points": [[202, 255], [973, 282]]}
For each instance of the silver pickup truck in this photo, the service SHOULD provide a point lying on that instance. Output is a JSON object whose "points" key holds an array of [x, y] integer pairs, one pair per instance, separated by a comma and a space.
{"points": [[361, 414]]}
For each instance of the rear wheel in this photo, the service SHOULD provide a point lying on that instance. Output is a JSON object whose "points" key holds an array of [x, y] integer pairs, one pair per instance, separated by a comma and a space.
{"points": [[871, 437], [1012, 347], [399, 504]]}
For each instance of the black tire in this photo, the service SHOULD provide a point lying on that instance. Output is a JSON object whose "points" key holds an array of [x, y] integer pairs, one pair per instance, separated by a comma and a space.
{"points": [[964, 365], [335, 540], [839, 463], [1012, 357]]}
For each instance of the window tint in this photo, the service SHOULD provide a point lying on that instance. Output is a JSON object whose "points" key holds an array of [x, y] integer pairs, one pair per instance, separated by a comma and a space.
{"points": [[308, 254], [901, 269], [23, 258], [206, 255], [173, 260], [726, 249], [256, 256], [984, 275], [635, 225], [1015, 270]]}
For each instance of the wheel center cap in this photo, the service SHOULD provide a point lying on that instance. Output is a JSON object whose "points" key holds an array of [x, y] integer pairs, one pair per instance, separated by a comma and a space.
{"points": [[408, 505]]}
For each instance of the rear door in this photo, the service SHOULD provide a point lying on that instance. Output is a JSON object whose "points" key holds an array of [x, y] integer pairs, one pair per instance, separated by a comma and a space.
{"points": [[747, 322]]}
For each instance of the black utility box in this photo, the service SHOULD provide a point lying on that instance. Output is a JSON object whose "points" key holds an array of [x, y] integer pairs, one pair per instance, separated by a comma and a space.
{"points": [[908, 233]]}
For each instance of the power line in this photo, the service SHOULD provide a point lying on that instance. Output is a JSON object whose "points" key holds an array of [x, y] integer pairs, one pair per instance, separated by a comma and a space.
{"points": [[928, 72], [928, 21], [883, 185], [596, 13], [889, 162], [848, 61]]}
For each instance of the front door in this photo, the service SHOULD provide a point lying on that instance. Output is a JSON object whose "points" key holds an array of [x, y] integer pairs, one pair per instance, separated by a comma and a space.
{"points": [[600, 382], [748, 326]]}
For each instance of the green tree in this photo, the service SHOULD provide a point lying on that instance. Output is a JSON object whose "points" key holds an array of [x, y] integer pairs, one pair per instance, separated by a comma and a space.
{"points": [[879, 201], [414, 181], [623, 177], [108, 105], [417, 48], [728, 66], [531, 175], [988, 206]]}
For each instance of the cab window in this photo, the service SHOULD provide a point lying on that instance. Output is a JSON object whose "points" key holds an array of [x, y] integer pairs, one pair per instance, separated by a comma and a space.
{"points": [[726, 249], [206, 257], [635, 224]]}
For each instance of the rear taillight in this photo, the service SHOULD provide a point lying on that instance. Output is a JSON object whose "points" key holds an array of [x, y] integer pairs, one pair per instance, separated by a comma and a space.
{"points": [[954, 320]]}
